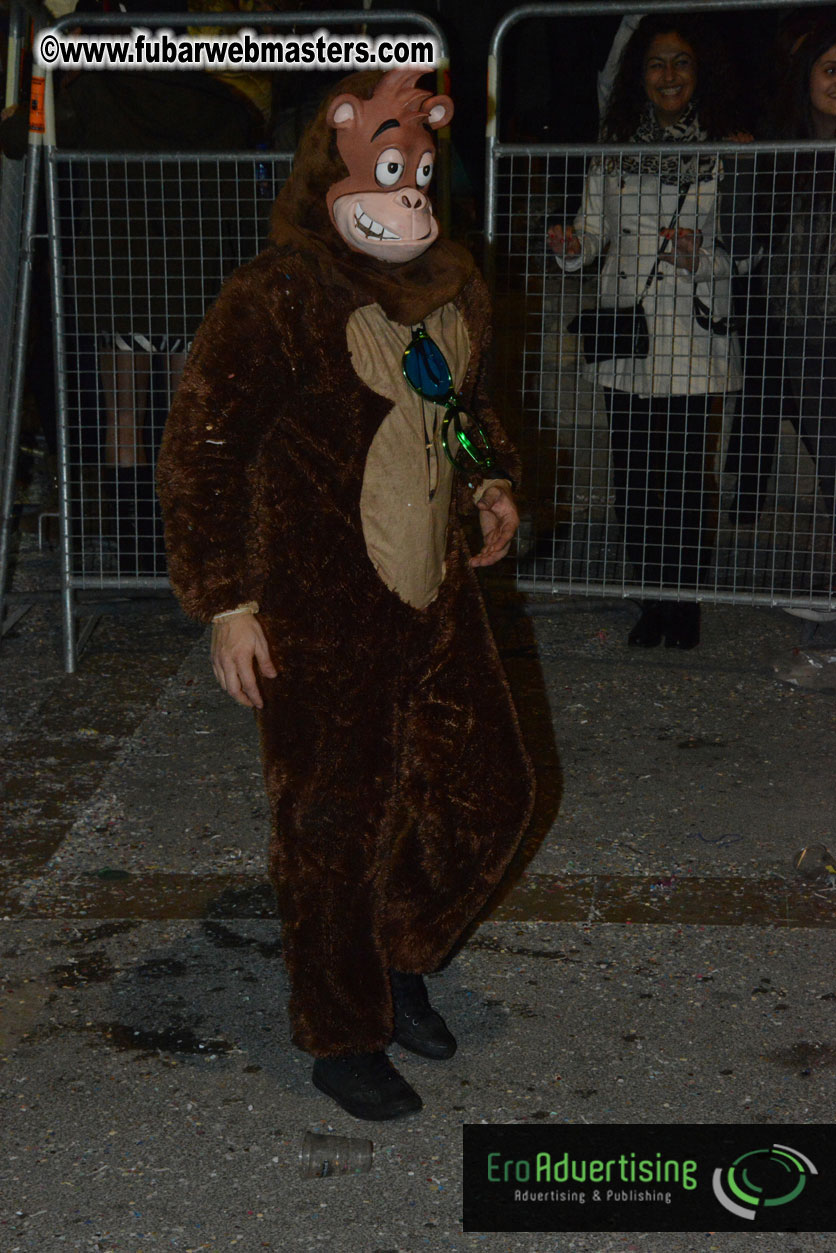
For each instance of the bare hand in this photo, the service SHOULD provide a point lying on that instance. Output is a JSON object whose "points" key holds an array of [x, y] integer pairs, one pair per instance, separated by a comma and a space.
{"points": [[685, 253], [563, 241], [499, 521], [237, 642]]}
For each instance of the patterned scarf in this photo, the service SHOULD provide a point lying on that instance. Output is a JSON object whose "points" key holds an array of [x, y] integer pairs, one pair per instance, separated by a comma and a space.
{"points": [[675, 169]]}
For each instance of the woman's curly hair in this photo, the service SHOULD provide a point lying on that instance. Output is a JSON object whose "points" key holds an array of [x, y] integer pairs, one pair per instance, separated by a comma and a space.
{"points": [[713, 96]]}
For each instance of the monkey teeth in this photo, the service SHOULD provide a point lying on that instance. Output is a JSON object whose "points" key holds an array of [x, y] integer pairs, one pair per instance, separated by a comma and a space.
{"points": [[371, 229]]}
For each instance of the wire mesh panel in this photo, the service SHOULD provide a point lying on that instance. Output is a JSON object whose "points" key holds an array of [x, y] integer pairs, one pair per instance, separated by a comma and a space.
{"points": [[676, 380], [145, 244]]}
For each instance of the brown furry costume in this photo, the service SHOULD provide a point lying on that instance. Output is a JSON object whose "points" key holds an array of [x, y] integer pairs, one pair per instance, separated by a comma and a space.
{"points": [[397, 779]]}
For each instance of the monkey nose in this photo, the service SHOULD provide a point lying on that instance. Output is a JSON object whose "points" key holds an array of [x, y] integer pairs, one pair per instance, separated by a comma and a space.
{"points": [[411, 198]]}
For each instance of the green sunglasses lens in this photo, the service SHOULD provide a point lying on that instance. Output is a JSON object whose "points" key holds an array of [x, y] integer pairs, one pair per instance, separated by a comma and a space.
{"points": [[470, 449]]}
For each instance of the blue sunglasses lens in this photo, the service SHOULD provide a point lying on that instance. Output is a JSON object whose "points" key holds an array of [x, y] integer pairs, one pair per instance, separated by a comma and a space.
{"points": [[426, 369]]}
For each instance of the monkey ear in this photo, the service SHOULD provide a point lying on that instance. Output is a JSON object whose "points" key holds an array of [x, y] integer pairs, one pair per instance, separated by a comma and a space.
{"points": [[439, 111], [343, 112]]}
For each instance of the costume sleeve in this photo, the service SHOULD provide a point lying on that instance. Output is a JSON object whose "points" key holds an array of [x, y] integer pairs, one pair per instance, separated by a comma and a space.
{"points": [[476, 307], [224, 407]]}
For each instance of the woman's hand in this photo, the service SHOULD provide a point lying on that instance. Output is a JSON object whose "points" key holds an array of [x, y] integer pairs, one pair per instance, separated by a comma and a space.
{"points": [[237, 642], [563, 241], [685, 252]]}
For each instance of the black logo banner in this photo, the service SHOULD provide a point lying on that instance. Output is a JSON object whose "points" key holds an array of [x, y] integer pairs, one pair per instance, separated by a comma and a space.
{"points": [[649, 1177]]}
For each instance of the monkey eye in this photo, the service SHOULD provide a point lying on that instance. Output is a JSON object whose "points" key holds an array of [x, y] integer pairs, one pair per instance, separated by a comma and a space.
{"points": [[389, 168], [425, 169]]}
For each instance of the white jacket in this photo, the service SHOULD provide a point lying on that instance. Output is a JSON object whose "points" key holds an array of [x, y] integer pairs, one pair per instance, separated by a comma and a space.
{"points": [[623, 215]]}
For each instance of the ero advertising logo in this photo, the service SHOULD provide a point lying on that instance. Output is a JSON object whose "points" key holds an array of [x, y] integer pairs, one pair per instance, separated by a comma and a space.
{"points": [[648, 1177], [762, 1178]]}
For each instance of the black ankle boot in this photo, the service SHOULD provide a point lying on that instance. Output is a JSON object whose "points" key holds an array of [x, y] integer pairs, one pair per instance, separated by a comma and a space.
{"points": [[647, 632], [418, 1026], [366, 1085], [682, 624]]}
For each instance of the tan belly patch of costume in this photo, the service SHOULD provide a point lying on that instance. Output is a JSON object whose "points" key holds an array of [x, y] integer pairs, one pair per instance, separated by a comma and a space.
{"points": [[408, 481]]}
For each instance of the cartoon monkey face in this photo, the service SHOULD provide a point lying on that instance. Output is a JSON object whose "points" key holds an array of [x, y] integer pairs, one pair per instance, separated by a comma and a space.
{"points": [[387, 144]]}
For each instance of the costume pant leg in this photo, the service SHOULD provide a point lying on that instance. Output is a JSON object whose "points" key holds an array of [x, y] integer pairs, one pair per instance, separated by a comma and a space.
{"points": [[328, 753], [399, 790], [635, 457], [465, 781]]}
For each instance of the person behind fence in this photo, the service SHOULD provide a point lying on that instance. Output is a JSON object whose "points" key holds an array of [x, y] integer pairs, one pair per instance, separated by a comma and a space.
{"points": [[331, 422], [660, 343], [801, 299], [767, 397], [801, 288]]}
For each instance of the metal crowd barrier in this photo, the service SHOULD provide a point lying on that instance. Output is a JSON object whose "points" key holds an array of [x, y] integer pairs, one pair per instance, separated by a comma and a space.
{"points": [[153, 236], [18, 202], [763, 462]]}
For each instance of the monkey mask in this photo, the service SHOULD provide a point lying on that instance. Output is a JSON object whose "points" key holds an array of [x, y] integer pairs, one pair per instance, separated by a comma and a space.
{"points": [[369, 149], [382, 208]]}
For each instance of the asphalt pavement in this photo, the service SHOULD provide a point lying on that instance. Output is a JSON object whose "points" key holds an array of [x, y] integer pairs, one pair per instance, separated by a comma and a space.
{"points": [[654, 958]]}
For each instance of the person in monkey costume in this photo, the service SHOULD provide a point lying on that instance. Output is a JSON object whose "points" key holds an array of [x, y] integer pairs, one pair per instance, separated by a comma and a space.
{"points": [[312, 510]]}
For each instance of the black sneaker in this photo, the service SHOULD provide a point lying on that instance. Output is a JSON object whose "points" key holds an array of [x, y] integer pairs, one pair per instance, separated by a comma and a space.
{"points": [[419, 1027], [366, 1085]]}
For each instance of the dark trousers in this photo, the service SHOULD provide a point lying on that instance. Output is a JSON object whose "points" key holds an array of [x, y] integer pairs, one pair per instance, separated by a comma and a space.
{"points": [[811, 367], [763, 403], [793, 377], [658, 456]]}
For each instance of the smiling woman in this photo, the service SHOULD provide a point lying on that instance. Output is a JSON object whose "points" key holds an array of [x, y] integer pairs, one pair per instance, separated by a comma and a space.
{"points": [[823, 94], [670, 76], [652, 216], [666, 52], [799, 202]]}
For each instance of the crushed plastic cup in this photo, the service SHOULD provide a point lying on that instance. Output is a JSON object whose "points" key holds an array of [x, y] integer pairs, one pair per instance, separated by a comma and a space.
{"points": [[322, 1156], [816, 862]]}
